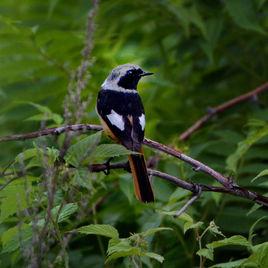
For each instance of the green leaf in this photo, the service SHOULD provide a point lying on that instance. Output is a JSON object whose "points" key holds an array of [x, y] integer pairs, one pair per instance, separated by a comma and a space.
{"points": [[254, 208], [25, 155], [14, 198], [243, 14], [37, 155], [259, 258], [236, 240], [99, 229], [81, 178], [14, 237], [189, 222], [110, 150], [155, 256], [41, 108], [46, 114], [66, 211], [214, 28], [82, 149], [188, 226], [152, 231], [251, 230], [206, 252], [261, 174], [118, 248], [197, 20], [230, 264], [253, 137], [126, 186]]}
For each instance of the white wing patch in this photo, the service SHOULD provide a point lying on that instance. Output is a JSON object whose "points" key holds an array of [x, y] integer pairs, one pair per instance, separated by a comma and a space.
{"points": [[142, 121], [116, 120]]}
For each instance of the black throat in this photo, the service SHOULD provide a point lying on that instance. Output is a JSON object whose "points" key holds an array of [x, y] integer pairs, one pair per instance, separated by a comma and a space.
{"points": [[129, 81]]}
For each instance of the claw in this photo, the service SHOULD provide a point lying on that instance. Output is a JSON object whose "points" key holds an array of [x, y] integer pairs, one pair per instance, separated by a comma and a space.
{"points": [[107, 163]]}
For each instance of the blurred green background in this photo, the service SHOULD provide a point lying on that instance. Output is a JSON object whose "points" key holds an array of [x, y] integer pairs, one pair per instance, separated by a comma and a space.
{"points": [[203, 53]]}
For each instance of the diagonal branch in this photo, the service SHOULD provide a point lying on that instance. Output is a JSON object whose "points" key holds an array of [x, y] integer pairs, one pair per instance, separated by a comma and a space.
{"points": [[221, 108], [195, 188], [229, 185]]}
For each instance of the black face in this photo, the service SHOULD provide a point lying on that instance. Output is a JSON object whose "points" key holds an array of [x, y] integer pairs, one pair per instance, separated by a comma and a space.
{"points": [[131, 78]]}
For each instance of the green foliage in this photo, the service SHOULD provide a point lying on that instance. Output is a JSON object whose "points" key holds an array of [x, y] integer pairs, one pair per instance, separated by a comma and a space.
{"points": [[99, 229], [260, 131], [133, 246], [79, 151], [203, 53]]}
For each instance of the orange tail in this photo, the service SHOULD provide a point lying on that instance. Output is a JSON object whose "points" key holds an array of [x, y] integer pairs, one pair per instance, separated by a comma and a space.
{"points": [[142, 185]]}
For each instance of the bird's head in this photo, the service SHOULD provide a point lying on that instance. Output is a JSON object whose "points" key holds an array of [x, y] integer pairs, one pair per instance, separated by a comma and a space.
{"points": [[124, 77]]}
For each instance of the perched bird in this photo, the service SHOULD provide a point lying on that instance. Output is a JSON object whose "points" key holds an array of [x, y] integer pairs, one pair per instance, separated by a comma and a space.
{"points": [[121, 112]]}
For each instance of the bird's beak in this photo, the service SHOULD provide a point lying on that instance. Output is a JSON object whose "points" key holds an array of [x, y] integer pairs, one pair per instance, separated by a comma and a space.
{"points": [[146, 73]]}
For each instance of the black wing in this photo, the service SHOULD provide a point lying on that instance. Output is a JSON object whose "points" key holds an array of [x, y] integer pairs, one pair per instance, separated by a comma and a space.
{"points": [[129, 109]]}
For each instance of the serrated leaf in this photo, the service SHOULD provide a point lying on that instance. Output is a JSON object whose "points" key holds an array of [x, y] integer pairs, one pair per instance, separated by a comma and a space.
{"points": [[81, 178], [99, 229], [35, 154], [118, 248], [155, 256], [82, 149], [14, 237], [110, 150], [206, 252], [14, 198], [237, 240], [65, 212]]}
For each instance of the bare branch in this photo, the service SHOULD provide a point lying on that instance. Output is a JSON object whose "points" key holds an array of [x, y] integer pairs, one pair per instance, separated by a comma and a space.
{"points": [[221, 108], [229, 185], [51, 131], [190, 186]]}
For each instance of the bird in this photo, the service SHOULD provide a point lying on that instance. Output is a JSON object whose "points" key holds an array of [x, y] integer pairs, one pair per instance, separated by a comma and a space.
{"points": [[122, 116]]}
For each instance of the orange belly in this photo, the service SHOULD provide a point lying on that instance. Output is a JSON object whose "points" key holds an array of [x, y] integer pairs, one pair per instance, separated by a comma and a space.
{"points": [[108, 131]]}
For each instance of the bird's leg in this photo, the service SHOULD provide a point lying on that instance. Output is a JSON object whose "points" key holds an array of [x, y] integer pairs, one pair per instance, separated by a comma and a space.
{"points": [[107, 164]]}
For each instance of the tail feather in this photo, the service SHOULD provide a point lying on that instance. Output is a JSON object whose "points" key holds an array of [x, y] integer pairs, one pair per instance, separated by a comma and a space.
{"points": [[142, 185]]}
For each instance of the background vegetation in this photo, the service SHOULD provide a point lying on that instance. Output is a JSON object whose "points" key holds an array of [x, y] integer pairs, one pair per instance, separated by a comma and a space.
{"points": [[202, 53]]}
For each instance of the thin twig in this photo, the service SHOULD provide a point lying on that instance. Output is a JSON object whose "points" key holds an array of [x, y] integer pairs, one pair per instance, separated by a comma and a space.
{"points": [[221, 108], [189, 202], [229, 185]]}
